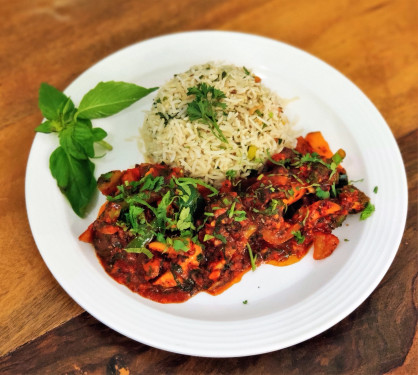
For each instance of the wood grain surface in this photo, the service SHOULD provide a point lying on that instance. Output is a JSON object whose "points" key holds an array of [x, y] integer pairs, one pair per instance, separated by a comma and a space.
{"points": [[42, 331]]}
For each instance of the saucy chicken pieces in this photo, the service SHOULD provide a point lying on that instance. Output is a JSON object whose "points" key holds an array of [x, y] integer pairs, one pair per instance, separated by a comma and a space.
{"points": [[167, 236]]}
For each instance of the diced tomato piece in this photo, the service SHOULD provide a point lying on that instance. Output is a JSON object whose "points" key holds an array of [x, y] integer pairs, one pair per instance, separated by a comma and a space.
{"points": [[226, 186], [303, 146], [130, 175]]}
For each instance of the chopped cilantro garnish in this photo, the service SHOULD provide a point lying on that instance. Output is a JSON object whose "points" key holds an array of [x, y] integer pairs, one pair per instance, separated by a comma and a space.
{"points": [[322, 194], [367, 212], [220, 237], [139, 250], [252, 257], [230, 174], [299, 237], [231, 210], [180, 245], [240, 216], [208, 237], [203, 107], [375, 189], [334, 190]]}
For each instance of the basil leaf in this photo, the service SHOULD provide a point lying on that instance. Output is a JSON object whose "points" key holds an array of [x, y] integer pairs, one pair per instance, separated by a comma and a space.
{"points": [[67, 111], [46, 127], [77, 139], [51, 101], [98, 134], [108, 98], [74, 178]]}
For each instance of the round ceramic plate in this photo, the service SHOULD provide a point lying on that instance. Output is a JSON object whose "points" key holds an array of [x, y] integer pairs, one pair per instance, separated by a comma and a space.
{"points": [[286, 305]]}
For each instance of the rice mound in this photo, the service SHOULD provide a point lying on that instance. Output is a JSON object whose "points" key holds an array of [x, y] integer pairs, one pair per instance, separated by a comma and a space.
{"points": [[253, 123]]}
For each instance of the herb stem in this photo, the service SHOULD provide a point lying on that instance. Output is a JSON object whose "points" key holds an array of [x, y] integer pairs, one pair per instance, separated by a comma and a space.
{"points": [[105, 145], [252, 257]]}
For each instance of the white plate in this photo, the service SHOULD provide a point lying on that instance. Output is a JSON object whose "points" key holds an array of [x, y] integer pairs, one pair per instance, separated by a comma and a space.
{"points": [[286, 305]]}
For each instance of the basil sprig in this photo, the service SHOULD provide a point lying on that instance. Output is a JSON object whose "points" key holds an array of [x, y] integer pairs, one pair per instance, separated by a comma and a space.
{"points": [[70, 163]]}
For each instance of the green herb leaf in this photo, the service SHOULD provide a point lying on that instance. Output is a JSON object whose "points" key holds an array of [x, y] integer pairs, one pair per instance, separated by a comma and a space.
{"points": [[334, 190], [74, 178], [207, 237], [77, 139], [203, 108], [134, 213], [252, 257], [161, 212], [69, 163], [322, 194], [185, 220], [46, 127], [51, 101], [376, 188], [139, 250], [230, 174], [220, 237], [367, 212], [194, 182], [180, 245], [231, 210], [98, 134], [299, 237], [109, 98], [240, 216]]}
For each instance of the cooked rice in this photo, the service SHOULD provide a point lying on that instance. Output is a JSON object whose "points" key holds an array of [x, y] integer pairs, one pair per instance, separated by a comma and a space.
{"points": [[253, 117]]}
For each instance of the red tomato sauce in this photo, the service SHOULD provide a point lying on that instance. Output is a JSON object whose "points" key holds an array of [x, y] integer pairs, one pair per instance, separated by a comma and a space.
{"points": [[167, 236]]}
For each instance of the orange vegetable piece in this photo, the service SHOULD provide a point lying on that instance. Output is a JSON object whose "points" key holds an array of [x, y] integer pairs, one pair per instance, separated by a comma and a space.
{"points": [[324, 245], [109, 229], [319, 144], [280, 235], [297, 194], [166, 280], [152, 268], [157, 246], [87, 235]]}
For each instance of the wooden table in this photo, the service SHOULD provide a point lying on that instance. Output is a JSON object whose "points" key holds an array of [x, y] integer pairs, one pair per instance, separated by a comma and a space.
{"points": [[43, 331]]}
